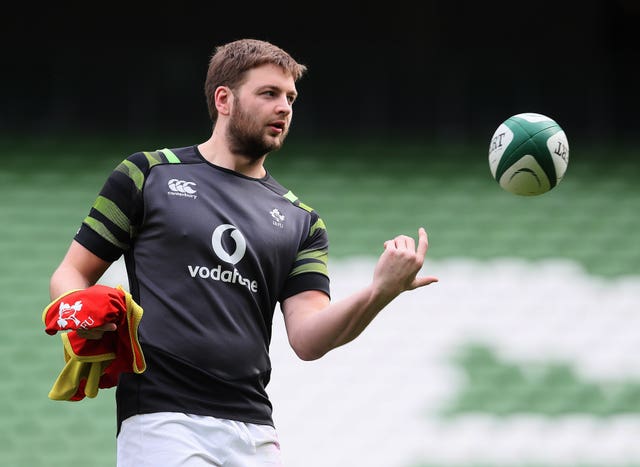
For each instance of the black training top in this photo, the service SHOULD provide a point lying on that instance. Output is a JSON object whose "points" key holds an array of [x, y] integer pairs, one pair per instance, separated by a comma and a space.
{"points": [[209, 253]]}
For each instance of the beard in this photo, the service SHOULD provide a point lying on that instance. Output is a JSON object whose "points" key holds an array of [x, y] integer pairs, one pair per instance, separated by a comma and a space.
{"points": [[246, 135]]}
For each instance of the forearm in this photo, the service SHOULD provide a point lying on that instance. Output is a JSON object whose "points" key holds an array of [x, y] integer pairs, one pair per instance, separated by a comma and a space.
{"points": [[347, 318], [67, 278], [336, 324], [315, 327], [78, 270]]}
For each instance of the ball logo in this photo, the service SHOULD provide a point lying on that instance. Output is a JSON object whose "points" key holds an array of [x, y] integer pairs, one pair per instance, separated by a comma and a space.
{"points": [[219, 249]]}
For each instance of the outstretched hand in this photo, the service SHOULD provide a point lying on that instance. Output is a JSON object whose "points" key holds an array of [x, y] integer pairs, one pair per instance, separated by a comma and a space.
{"points": [[400, 263], [315, 326]]}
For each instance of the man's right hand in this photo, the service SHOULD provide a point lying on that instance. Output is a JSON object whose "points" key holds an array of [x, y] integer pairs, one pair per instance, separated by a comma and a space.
{"points": [[97, 332]]}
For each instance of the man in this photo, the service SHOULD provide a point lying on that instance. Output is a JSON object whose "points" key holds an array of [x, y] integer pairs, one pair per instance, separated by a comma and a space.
{"points": [[212, 244]]}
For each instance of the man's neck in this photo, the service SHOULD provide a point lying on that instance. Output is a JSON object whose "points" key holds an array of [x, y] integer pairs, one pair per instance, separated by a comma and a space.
{"points": [[219, 154]]}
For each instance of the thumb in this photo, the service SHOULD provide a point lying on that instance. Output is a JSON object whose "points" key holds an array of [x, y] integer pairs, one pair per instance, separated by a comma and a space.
{"points": [[422, 281]]}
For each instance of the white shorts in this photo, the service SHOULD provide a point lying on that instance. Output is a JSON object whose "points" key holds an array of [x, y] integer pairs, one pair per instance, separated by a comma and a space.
{"points": [[170, 439]]}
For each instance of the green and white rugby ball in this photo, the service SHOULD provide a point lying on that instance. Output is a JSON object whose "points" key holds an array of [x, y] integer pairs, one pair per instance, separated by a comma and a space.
{"points": [[528, 154]]}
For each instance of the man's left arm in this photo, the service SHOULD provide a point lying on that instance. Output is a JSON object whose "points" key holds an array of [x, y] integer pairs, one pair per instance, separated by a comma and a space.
{"points": [[315, 325]]}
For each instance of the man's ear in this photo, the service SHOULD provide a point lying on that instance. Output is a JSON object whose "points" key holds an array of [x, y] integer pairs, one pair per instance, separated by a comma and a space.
{"points": [[223, 99]]}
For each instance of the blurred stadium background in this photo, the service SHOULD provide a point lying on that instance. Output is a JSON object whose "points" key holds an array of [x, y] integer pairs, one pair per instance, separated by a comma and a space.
{"points": [[525, 354]]}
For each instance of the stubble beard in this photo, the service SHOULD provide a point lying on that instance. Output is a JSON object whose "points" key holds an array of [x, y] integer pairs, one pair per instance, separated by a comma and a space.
{"points": [[246, 136]]}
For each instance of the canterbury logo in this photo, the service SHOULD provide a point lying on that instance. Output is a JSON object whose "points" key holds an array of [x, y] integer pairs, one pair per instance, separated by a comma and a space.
{"points": [[182, 188]]}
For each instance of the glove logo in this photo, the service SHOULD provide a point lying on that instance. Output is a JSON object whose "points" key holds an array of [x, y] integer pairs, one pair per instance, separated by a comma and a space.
{"points": [[67, 313], [219, 249]]}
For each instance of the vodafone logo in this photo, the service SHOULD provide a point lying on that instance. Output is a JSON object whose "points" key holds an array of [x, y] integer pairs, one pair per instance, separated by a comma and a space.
{"points": [[232, 256], [218, 247]]}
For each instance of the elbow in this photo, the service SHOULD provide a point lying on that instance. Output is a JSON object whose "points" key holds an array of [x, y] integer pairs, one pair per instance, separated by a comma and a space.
{"points": [[308, 356], [306, 352]]}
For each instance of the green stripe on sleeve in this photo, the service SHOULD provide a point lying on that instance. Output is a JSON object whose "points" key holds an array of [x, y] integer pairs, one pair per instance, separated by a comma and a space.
{"points": [[311, 261], [112, 212], [318, 225], [290, 196], [294, 199], [305, 207], [154, 158], [133, 172], [320, 255], [171, 157], [320, 268], [100, 228]]}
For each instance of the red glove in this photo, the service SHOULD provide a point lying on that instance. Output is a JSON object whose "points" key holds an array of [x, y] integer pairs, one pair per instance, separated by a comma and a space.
{"points": [[85, 308], [94, 363]]}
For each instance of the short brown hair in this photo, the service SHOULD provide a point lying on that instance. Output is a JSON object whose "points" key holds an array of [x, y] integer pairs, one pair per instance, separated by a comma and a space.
{"points": [[231, 61]]}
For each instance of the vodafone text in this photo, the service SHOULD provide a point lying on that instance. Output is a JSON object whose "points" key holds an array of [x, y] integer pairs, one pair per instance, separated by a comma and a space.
{"points": [[218, 274]]}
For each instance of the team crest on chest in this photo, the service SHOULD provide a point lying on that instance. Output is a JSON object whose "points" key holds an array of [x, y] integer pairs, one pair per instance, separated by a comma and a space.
{"points": [[277, 218]]}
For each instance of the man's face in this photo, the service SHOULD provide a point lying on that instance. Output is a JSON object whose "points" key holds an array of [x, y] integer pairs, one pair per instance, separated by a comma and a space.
{"points": [[261, 113]]}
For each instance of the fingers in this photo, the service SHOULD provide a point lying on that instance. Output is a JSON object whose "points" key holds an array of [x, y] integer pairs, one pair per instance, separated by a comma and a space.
{"points": [[422, 281], [405, 259], [89, 333], [404, 242], [401, 242], [423, 242], [97, 332]]}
